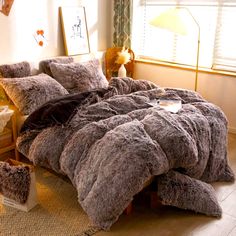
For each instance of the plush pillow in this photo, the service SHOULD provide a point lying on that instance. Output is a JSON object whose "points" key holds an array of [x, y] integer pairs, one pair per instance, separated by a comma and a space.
{"points": [[21, 69], [29, 93], [79, 77], [179, 190], [44, 65]]}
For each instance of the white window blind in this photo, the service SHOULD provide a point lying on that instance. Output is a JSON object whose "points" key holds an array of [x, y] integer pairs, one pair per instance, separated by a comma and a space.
{"points": [[225, 43], [217, 40]]}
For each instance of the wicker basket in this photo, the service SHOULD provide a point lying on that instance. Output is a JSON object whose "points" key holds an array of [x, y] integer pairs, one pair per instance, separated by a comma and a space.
{"points": [[5, 115]]}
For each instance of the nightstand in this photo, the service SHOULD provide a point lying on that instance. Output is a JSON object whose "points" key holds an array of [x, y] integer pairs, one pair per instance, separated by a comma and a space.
{"points": [[8, 137]]}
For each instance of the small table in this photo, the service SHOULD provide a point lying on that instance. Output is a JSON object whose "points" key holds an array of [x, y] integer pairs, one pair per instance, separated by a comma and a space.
{"points": [[12, 145]]}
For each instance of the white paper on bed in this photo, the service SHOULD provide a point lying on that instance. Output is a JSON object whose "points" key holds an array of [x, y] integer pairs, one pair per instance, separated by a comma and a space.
{"points": [[169, 105]]}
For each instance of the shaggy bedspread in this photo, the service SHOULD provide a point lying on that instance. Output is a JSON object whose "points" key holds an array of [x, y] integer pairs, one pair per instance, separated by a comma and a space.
{"points": [[109, 142]]}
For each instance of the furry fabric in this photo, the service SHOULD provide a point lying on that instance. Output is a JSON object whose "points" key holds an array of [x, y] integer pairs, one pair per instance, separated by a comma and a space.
{"points": [[79, 77], [14, 182], [31, 92], [17, 70], [61, 110], [44, 65], [110, 148], [179, 190]]}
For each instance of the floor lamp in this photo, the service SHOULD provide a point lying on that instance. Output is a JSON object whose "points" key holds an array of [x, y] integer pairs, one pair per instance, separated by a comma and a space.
{"points": [[177, 20]]}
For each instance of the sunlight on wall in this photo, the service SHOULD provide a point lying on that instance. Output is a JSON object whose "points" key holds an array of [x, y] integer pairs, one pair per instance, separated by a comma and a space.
{"points": [[26, 17], [99, 21], [92, 23], [25, 25]]}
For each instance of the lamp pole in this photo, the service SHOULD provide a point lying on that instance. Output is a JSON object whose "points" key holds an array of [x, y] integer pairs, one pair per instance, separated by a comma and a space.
{"points": [[172, 21], [198, 47]]}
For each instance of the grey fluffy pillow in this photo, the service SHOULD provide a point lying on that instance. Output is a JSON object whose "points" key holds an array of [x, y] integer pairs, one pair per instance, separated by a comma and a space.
{"points": [[179, 190], [18, 70], [29, 93], [79, 77], [44, 65]]}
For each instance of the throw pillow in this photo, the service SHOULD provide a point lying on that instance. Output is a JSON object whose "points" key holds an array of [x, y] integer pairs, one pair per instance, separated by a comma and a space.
{"points": [[44, 65], [176, 189], [30, 92], [18, 70], [79, 77]]}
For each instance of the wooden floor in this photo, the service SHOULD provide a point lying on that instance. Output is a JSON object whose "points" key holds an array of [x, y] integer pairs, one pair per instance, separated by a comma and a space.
{"points": [[168, 221]]}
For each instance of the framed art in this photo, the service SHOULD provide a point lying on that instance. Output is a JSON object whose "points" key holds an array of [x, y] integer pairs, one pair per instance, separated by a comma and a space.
{"points": [[75, 32]]}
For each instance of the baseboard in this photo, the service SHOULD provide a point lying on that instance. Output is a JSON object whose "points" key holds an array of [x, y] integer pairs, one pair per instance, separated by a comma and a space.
{"points": [[232, 130]]}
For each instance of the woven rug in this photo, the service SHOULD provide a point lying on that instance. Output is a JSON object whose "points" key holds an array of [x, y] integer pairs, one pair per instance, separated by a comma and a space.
{"points": [[58, 212]]}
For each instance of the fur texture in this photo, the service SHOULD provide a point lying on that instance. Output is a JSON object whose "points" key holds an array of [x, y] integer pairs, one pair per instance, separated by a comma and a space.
{"points": [[44, 65], [31, 92], [17, 70], [109, 149], [79, 77], [61, 110], [180, 190], [14, 182]]}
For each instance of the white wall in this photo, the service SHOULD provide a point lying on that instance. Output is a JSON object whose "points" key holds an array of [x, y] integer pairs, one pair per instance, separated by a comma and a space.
{"points": [[16, 30], [218, 89]]}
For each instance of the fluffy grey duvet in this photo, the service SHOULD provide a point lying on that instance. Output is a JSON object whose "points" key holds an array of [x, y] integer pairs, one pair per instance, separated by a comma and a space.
{"points": [[113, 142]]}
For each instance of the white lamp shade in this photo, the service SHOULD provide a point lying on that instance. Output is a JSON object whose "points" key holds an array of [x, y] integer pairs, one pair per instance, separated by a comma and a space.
{"points": [[175, 20], [178, 20]]}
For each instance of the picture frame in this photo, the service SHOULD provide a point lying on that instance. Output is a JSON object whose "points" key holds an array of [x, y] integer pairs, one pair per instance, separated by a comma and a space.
{"points": [[74, 29]]}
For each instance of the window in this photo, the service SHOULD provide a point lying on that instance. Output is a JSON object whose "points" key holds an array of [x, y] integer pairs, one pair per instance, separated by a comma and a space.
{"points": [[217, 36]]}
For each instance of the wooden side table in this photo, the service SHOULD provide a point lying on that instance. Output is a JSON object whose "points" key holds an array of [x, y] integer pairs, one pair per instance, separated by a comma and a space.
{"points": [[12, 145]]}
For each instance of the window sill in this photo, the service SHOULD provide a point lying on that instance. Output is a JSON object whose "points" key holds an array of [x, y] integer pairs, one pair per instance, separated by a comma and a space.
{"points": [[184, 67]]}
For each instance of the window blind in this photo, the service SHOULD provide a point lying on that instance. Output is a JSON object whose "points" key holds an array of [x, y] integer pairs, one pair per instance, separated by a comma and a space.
{"points": [[225, 42], [215, 18]]}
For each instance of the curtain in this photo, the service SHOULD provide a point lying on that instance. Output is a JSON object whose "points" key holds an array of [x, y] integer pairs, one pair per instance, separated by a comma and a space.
{"points": [[122, 23]]}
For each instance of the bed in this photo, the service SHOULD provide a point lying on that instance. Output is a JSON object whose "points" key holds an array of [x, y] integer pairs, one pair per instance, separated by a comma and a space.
{"points": [[110, 140]]}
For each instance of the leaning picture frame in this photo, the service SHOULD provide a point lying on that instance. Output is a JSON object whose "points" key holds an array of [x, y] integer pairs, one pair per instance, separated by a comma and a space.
{"points": [[74, 29]]}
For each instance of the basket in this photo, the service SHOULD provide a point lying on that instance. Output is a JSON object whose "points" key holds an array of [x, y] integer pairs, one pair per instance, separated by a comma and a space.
{"points": [[5, 115]]}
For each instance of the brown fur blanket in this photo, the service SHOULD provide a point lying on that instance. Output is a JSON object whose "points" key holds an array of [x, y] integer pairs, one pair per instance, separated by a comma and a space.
{"points": [[110, 142]]}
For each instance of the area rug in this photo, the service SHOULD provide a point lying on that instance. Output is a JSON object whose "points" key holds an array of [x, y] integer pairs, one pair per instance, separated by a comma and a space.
{"points": [[58, 212]]}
